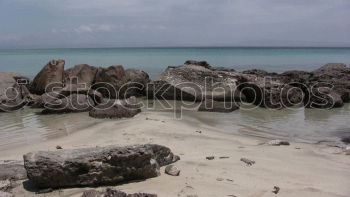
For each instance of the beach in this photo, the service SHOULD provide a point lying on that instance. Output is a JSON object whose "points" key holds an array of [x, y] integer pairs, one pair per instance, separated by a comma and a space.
{"points": [[298, 170]]}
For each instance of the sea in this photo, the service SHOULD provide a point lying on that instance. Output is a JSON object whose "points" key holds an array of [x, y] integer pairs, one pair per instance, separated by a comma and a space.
{"points": [[28, 126]]}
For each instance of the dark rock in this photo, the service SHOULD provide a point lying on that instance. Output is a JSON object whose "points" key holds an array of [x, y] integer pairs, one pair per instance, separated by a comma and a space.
{"points": [[270, 92], [13, 170], [248, 161], [72, 103], [49, 78], [346, 140], [198, 63], [114, 193], [323, 97], [276, 190], [135, 83], [195, 82], [295, 76], [172, 170], [210, 158], [116, 111], [215, 106], [96, 166]]}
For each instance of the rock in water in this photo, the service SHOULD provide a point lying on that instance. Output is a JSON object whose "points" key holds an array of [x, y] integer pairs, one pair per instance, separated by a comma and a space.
{"points": [[116, 111], [13, 170], [172, 170], [215, 106], [49, 78], [72, 103], [96, 166]]}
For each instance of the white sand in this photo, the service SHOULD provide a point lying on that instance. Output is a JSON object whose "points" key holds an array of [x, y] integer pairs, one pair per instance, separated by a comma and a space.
{"points": [[312, 170]]}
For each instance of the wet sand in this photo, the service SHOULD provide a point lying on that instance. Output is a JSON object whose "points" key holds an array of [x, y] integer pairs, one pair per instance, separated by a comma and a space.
{"points": [[299, 169]]}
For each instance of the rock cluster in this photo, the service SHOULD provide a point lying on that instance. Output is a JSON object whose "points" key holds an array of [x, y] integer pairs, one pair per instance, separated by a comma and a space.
{"points": [[96, 166]]}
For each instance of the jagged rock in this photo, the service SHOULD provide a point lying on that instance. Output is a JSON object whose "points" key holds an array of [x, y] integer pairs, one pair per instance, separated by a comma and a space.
{"points": [[47, 98], [278, 143], [72, 103], [198, 63], [269, 92], [49, 78], [215, 106], [116, 111], [296, 76], [323, 97], [248, 161], [172, 170], [195, 81], [96, 166]]}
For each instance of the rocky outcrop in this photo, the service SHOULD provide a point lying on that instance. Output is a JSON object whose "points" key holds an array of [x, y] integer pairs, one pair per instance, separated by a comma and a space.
{"points": [[196, 81], [269, 92], [79, 77], [72, 103], [96, 166], [49, 78], [215, 106], [323, 97], [104, 111], [115, 82], [13, 94]]}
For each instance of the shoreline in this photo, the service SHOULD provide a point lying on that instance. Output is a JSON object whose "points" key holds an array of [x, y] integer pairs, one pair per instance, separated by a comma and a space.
{"points": [[310, 170]]}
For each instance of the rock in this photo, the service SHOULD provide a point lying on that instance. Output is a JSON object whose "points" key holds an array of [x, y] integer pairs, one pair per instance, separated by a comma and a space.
{"points": [[195, 82], [215, 106], [5, 194], [257, 72], [96, 166], [269, 92], [347, 150], [45, 99], [276, 190], [346, 140], [13, 96], [210, 158], [295, 77], [116, 111], [324, 98], [114, 193], [58, 147], [135, 83], [72, 103], [172, 170], [92, 193], [5, 185], [278, 143], [79, 76], [248, 161], [13, 170], [49, 78], [198, 63]]}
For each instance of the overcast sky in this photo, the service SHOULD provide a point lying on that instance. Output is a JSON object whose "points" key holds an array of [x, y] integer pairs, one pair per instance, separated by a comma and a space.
{"points": [[129, 23]]}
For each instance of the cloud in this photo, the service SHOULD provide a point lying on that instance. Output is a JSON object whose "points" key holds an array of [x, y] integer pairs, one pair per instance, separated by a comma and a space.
{"points": [[94, 28]]}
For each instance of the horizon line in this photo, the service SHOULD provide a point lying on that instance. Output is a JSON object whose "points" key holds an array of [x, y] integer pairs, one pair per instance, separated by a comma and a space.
{"points": [[170, 47]]}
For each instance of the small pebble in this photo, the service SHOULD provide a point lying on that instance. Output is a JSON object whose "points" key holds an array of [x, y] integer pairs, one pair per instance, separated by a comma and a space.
{"points": [[59, 147], [172, 170], [275, 190], [210, 158], [219, 179], [278, 143], [248, 161]]}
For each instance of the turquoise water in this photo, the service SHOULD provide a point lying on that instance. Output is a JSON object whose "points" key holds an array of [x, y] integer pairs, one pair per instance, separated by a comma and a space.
{"points": [[155, 60]]}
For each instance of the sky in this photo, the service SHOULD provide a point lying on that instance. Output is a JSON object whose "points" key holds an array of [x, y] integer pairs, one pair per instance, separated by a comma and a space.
{"points": [[166, 23]]}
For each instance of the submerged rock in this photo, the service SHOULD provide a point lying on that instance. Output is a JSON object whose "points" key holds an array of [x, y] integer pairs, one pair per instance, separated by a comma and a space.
{"points": [[96, 166], [116, 111], [12, 170], [215, 106]]}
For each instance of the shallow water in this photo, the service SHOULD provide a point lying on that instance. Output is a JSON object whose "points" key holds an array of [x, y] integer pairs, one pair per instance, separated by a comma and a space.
{"points": [[27, 127]]}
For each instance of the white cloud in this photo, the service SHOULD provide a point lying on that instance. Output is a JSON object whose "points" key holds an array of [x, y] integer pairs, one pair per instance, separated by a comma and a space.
{"points": [[94, 28]]}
